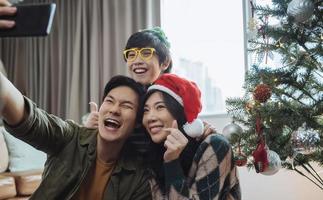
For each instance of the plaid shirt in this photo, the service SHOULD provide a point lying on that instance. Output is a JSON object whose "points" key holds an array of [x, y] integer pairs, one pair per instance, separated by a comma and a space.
{"points": [[213, 175]]}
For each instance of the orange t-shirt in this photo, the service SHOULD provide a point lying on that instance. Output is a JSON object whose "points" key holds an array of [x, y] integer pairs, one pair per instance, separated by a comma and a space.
{"points": [[94, 184]]}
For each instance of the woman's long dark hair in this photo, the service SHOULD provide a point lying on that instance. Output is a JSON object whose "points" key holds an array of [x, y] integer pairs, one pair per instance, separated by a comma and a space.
{"points": [[157, 150]]}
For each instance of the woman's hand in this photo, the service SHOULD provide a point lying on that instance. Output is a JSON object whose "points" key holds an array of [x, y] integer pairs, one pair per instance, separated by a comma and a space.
{"points": [[6, 10], [175, 143]]}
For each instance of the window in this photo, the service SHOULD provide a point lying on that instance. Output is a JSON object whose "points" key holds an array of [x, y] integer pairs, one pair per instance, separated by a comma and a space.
{"points": [[207, 45], [271, 59]]}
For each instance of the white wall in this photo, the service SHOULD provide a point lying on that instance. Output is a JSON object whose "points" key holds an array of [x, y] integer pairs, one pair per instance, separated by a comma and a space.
{"points": [[284, 185]]}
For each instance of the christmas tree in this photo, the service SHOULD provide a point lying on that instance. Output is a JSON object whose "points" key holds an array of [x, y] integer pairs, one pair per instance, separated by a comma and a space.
{"points": [[282, 110]]}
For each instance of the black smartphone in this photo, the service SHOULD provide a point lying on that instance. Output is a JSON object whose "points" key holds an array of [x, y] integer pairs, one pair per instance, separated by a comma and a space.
{"points": [[31, 20]]}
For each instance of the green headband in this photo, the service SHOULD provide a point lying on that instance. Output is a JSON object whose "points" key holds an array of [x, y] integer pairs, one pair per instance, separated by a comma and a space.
{"points": [[157, 31]]}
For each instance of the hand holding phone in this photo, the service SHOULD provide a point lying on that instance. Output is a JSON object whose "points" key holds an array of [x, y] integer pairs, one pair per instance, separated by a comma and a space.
{"points": [[30, 20]]}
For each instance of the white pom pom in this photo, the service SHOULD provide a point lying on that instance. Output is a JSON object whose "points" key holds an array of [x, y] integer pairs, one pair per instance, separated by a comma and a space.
{"points": [[194, 129]]}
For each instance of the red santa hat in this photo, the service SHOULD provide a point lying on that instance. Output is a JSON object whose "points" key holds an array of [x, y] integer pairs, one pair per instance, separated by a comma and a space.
{"points": [[187, 94]]}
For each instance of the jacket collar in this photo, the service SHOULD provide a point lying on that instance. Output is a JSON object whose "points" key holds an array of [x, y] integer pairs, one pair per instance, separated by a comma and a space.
{"points": [[89, 138], [125, 162]]}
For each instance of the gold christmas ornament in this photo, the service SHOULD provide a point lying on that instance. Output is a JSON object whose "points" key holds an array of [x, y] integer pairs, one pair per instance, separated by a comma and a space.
{"points": [[250, 105], [252, 29], [252, 24], [279, 44]]}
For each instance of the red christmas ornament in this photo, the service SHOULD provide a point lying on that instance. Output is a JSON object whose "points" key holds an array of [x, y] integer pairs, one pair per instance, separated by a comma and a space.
{"points": [[262, 93], [240, 159], [260, 157]]}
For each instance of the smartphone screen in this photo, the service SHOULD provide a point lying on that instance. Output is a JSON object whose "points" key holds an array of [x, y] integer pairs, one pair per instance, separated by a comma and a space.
{"points": [[31, 20]]}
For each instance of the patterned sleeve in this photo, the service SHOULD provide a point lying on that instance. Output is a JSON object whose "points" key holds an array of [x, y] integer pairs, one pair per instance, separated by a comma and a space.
{"points": [[213, 174]]}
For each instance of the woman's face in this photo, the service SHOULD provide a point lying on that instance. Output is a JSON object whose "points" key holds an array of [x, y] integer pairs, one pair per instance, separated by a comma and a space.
{"points": [[145, 71], [157, 117]]}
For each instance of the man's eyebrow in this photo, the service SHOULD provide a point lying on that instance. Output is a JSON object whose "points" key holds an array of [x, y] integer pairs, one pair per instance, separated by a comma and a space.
{"points": [[109, 96], [122, 100]]}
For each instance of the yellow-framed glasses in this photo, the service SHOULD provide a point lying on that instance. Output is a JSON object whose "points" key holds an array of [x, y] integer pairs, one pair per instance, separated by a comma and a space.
{"points": [[144, 53]]}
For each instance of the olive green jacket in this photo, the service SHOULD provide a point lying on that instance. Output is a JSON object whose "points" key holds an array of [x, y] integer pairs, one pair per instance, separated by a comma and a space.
{"points": [[71, 151]]}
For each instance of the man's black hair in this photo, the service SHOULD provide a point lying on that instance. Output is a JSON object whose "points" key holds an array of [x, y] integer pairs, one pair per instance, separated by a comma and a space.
{"points": [[121, 80], [118, 81]]}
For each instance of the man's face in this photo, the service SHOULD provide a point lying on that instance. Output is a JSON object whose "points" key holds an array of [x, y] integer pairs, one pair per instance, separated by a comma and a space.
{"points": [[117, 114], [145, 71]]}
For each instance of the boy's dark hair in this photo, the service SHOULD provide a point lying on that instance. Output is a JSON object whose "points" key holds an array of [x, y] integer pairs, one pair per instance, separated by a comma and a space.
{"points": [[120, 80], [152, 38]]}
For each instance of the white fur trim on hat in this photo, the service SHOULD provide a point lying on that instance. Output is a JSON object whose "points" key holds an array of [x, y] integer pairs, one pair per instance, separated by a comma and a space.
{"points": [[168, 91], [194, 129]]}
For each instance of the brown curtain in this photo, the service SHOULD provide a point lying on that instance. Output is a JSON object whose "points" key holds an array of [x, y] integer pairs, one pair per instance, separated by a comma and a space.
{"points": [[62, 72]]}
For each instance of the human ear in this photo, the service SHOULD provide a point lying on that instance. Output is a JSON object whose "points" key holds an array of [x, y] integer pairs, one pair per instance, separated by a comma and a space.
{"points": [[165, 64]]}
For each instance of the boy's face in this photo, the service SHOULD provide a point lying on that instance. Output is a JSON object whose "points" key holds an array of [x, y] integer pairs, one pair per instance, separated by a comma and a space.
{"points": [[145, 71], [117, 114]]}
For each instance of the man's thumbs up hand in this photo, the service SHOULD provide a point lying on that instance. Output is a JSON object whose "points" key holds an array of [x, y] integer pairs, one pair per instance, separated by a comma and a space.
{"points": [[93, 107], [93, 118]]}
